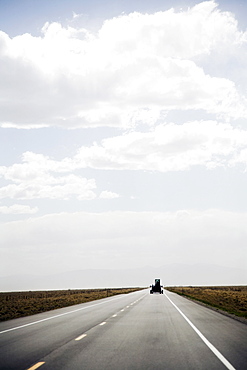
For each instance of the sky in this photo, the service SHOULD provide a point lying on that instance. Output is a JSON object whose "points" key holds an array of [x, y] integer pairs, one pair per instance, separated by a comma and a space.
{"points": [[123, 134]]}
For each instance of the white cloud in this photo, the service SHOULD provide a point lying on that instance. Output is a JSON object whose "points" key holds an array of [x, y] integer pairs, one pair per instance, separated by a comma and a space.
{"points": [[108, 195], [123, 239], [182, 35], [39, 177], [168, 147], [165, 148], [18, 209], [61, 188], [75, 15], [135, 64]]}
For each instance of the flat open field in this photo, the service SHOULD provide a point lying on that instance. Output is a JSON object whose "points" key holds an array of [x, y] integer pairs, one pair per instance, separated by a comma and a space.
{"points": [[232, 299], [19, 304]]}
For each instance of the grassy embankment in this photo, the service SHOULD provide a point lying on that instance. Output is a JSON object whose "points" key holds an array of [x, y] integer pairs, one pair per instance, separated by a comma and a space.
{"points": [[232, 299], [19, 304]]}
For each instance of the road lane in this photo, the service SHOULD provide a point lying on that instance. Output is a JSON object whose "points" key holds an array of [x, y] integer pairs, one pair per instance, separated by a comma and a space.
{"points": [[229, 336], [139, 331], [212, 348], [25, 344]]}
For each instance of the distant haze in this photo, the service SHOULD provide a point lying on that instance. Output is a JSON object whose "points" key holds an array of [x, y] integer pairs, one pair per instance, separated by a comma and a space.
{"points": [[170, 275]]}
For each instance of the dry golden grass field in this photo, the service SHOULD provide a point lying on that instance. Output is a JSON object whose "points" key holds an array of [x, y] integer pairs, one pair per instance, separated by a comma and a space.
{"points": [[232, 299], [19, 304]]}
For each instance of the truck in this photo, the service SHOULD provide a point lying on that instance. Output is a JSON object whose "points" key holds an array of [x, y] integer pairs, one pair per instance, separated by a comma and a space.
{"points": [[156, 287]]}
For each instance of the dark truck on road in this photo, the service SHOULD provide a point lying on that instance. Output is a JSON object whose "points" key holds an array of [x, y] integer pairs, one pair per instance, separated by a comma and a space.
{"points": [[156, 288]]}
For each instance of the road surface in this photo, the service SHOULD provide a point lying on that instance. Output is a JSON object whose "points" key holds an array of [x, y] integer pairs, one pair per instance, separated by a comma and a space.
{"points": [[134, 331]]}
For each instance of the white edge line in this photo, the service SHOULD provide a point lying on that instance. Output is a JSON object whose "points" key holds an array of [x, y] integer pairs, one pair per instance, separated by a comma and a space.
{"points": [[227, 364], [81, 337]]}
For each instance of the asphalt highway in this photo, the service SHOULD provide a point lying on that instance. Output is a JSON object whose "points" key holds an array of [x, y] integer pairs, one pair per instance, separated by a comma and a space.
{"points": [[134, 331]]}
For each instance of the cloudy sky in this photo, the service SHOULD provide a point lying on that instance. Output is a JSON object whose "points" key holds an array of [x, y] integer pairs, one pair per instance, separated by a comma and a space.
{"points": [[123, 135]]}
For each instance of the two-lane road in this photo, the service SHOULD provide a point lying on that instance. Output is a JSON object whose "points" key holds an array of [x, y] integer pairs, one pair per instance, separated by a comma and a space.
{"points": [[134, 331]]}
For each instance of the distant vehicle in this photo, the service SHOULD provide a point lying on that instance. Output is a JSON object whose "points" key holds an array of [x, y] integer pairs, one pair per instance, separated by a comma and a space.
{"points": [[156, 288]]}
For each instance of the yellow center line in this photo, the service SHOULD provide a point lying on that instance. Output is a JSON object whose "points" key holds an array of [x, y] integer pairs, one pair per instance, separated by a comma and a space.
{"points": [[36, 366]]}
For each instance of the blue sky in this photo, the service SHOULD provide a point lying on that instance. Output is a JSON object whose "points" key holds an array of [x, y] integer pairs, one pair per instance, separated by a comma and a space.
{"points": [[18, 17], [122, 126]]}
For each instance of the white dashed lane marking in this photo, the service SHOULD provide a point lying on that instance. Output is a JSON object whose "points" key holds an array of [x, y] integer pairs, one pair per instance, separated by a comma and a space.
{"points": [[81, 337]]}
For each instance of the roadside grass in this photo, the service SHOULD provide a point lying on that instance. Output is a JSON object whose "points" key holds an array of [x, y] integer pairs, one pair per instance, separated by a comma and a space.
{"points": [[20, 304], [232, 299]]}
